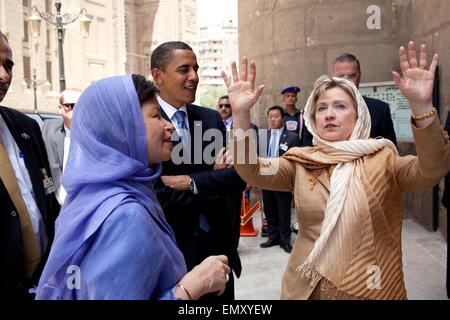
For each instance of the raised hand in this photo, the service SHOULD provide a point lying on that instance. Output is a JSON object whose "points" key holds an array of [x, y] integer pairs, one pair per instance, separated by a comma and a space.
{"points": [[241, 90], [416, 82]]}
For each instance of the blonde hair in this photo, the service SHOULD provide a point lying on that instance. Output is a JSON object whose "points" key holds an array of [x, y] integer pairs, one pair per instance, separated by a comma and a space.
{"points": [[327, 82]]}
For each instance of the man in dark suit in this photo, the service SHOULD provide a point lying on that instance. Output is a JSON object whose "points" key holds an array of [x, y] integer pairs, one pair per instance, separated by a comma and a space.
{"points": [[277, 205], [192, 187], [27, 200], [347, 66], [233, 202], [56, 134]]}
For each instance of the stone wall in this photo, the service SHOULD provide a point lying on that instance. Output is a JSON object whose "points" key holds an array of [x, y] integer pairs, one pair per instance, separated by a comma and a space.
{"points": [[293, 42], [152, 22]]}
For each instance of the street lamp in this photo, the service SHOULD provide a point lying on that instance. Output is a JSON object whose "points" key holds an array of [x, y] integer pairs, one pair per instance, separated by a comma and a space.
{"points": [[34, 83], [59, 21]]}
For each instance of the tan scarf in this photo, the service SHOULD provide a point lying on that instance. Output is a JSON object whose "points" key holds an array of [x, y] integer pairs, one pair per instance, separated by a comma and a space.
{"points": [[347, 207], [32, 255]]}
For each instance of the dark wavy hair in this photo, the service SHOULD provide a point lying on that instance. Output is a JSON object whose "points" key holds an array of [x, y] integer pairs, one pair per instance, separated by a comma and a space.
{"points": [[145, 89]]}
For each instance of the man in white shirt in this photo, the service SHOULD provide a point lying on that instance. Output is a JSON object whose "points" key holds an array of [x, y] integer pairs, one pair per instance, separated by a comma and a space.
{"points": [[56, 134], [277, 205], [192, 191]]}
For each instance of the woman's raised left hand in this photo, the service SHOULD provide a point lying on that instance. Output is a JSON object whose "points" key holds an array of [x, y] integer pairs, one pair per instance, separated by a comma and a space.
{"points": [[417, 80]]}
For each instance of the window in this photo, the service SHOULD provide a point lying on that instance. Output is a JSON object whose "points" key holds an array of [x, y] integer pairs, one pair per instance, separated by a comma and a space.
{"points": [[49, 71], [48, 38], [27, 70], [25, 31]]}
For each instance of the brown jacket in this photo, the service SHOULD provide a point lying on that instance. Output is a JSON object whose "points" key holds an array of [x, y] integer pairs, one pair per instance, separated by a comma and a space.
{"points": [[388, 176]]}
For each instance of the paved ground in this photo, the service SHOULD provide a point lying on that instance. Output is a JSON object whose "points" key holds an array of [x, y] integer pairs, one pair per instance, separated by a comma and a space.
{"points": [[424, 259]]}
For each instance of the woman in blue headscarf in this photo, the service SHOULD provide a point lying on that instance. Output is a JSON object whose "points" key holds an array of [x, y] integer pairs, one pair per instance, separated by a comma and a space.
{"points": [[112, 240]]}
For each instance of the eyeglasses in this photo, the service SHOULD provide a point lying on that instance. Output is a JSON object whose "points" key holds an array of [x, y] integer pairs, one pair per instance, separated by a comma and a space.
{"points": [[69, 105], [227, 106]]}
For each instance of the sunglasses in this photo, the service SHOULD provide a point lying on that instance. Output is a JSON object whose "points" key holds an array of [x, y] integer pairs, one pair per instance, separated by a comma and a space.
{"points": [[224, 106], [69, 105]]}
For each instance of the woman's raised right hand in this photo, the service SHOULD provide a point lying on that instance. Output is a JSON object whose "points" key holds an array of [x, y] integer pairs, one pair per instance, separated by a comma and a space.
{"points": [[241, 90]]}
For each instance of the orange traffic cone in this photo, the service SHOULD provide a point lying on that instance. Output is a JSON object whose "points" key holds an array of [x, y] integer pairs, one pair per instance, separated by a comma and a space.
{"points": [[247, 228]]}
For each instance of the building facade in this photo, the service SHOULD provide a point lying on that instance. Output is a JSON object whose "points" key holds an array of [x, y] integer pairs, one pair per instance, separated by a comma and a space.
{"points": [[217, 47], [148, 23], [122, 35], [101, 54]]}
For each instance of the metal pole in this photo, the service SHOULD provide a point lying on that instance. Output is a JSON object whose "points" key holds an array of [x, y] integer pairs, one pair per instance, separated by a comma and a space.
{"points": [[59, 26], [34, 84]]}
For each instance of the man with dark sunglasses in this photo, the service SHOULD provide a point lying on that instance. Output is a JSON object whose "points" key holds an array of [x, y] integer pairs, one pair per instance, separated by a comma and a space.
{"points": [[224, 109], [56, 134]]}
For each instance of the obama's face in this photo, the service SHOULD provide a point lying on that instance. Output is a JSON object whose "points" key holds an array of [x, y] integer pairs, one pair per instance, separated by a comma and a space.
{"points": [[6, 66]]}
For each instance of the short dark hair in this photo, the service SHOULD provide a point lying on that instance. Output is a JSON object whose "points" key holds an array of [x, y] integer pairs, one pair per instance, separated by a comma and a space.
{"points": [[348, 57], [276, 108], [145, 89], [224, 97], [162, 55]]}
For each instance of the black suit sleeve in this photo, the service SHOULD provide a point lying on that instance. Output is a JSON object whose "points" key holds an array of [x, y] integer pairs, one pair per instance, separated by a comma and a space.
{"points": [[220, 182], [307, 138], [168, 196], [256, 130], [210, 185], [387, 126]]}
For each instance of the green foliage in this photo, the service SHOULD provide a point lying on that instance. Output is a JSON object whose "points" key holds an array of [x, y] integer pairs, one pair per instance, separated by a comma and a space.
{"points": [[210, 96]]}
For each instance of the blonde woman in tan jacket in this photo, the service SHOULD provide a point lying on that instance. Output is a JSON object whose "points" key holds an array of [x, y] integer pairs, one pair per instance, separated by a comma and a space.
{"points": [[347, 188]]}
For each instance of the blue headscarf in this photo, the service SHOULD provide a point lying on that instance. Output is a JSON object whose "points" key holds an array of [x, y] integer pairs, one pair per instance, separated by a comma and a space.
{"points": [[107, 165]]}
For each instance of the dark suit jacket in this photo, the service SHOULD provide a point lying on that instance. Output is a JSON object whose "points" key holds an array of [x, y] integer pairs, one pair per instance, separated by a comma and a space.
{"points": [[182, 208], [27, 135], [53, 134], [287, 138], [380, 115], [381, 122], [233, 204]]}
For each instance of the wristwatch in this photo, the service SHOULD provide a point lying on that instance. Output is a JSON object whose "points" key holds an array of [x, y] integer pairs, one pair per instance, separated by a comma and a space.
{"points": [[191, 184]]}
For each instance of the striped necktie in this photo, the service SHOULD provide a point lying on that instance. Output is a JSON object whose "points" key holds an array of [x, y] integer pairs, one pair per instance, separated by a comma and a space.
{"points": [[183, 133]]}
